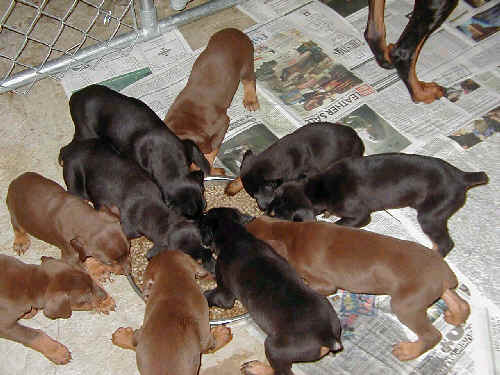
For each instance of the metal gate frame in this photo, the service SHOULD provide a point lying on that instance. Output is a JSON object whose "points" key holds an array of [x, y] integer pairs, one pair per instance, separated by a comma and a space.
{"points": [[150, 27]]}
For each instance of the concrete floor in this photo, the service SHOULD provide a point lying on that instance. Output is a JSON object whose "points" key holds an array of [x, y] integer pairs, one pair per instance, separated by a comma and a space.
{"points": [[35, 126]]}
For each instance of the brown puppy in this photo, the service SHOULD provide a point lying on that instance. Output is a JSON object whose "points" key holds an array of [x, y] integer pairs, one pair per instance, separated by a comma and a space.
{"points": [[42, 208], [176, 327], [199, 113], [330, 256], [54, 286]]}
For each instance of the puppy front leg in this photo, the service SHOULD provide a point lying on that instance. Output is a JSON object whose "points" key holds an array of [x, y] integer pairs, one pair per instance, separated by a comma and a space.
{"points": [[220, 297], [37, 340]]}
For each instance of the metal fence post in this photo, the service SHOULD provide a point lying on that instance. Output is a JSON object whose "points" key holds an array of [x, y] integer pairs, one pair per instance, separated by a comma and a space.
{"points": [[149, 22]]}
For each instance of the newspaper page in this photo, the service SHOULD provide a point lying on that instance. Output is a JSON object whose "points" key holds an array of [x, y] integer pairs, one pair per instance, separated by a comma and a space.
{"points": [[313, 64]]}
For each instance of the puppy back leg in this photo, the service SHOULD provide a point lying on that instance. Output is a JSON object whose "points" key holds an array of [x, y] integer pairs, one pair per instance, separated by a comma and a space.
{"points": [[37, 340], [412, 312], [248, 79]]}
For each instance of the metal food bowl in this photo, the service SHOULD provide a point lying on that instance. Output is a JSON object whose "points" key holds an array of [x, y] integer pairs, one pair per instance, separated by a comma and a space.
{"points": [[208, 180]]}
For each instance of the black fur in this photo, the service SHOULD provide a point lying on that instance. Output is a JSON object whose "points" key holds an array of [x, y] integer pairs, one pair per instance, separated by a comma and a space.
{"points": [[309, 150], [95, 172], [138, 133], [298, 320], [353, 188]]}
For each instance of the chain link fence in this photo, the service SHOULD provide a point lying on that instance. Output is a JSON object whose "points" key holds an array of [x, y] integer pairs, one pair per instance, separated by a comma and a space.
{"points": [[45, 38]]}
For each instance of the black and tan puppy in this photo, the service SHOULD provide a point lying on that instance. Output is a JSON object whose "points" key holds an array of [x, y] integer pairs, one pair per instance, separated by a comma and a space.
{"points": [[353, 188], [199, 112], [176, 328], [95, 172], [138, 133], [308, 150], [331, 257], [301, 324]]}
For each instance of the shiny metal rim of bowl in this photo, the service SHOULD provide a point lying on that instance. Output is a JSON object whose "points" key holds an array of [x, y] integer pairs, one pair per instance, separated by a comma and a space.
{"points": [[212, 322]]}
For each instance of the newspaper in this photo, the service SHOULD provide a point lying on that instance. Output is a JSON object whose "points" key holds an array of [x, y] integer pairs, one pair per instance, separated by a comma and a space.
{"points": [[313, 64]]}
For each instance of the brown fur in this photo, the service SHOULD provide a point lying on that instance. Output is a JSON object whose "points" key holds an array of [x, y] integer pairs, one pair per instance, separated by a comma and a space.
{"points": [[40, 207], [55, 287], [330, 256], [199, 113], [176, 329]]}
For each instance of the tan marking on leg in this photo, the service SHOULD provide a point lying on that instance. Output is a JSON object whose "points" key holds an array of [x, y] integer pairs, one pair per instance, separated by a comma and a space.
{"points": [[22, 241], [221, 336], [233, 187]]}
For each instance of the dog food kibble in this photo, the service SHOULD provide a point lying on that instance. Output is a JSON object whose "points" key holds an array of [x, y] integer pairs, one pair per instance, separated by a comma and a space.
{"points": [[214, 194]]}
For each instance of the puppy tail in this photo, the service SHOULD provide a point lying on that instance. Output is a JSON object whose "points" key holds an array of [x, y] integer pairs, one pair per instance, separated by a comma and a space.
{"points": [[471, 179], [195, 155]]}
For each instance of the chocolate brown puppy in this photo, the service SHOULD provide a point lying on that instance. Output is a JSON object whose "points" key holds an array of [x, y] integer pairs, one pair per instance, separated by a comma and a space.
{"points": [[199, 113], [137, 133], [301, 324], [55, 287], [354, 187], [42, 208], [310, 149], [176, 329], [330, 256], [94, 171]]}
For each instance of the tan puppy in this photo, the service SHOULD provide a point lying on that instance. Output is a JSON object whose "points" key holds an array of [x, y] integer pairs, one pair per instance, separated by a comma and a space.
{"points": [[199, 113], [42, 208], [330, 256], [176, 329], [55, 287]]}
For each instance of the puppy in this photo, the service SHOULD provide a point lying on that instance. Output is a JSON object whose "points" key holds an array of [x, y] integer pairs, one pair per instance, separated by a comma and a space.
{"points": [[301, 325], [136, 132], [355, 187], [310, 149], [55, 287], [176, 327], [95, 172], [330, 256], [40, 207], [427, 16], [199, 113]]}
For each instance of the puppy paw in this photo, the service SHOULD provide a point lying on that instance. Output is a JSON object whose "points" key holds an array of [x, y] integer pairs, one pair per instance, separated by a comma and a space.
{"points": [[222, 335], [105, 306], [426, 92], [233, 187], [217, 171], [251, 104], [53, 350], [21, 244], [30, 314], [405, 351], [124, 338], [98, 271], [256, 368]]}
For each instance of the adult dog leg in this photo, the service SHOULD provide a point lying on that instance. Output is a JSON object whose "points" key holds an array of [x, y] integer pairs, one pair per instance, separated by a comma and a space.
{"points": [[427, 16], [375, 33]]}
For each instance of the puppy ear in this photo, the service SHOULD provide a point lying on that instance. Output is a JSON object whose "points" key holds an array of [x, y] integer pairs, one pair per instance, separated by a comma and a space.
{"points": [[197, 176], [57, 305], [113, 211], [79, 246]]}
